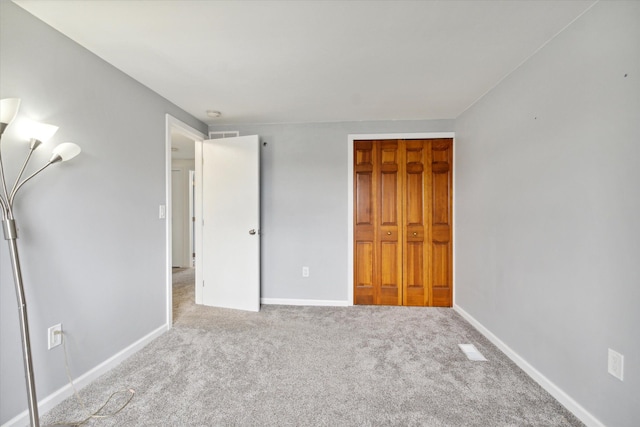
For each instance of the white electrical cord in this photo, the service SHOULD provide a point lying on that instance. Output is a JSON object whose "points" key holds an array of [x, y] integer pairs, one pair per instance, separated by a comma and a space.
{"points": [[95, 414]]}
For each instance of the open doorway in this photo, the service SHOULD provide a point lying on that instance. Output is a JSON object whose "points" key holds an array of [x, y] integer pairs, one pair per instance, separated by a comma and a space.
{"points": [[181, 240], [181, 141], [231, 240]]}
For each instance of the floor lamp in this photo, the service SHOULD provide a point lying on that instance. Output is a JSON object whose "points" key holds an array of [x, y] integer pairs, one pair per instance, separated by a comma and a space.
{"points": [[39, 133]]}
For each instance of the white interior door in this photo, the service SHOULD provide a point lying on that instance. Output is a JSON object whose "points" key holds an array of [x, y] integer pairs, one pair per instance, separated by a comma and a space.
{"points": [[230, 195]]}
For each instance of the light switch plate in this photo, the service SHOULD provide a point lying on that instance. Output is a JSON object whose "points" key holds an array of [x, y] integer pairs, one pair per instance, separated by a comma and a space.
{"points": [[615, 364]]}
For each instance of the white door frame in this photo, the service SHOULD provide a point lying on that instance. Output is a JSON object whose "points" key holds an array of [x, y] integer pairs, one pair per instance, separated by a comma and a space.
{"points": [[172, 124], [356, 137]]}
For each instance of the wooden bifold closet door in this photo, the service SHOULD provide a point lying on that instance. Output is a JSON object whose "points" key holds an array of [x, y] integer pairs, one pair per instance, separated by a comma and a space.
{"points": [[403, 220]]}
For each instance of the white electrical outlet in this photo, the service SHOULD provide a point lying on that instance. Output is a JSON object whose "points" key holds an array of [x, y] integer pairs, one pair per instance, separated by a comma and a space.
{"points": [[616, 364], [54, 335], [305, 271]]}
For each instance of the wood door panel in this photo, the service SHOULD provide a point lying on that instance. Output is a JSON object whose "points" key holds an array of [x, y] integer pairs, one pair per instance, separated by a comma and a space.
{"points": [[441, 296], [441, 246], [414, 256], [364, 198], [389, 276], [364, 297], [365, 234], [415, 234], [415, 153], [440, 265], [415, 283], [364, 264], [440, 198], [364, 273], [389, 195], [415, 291], [415, 199], [363, 154], [402, 218], [365, 183], [389, 153], [389, 198], [414, 297], [440, 167], [389, 234], [441, 233], [388, 296]]}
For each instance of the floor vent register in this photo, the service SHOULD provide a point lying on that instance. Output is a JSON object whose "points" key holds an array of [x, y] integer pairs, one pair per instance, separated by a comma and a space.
{"points": [[472, 352]]}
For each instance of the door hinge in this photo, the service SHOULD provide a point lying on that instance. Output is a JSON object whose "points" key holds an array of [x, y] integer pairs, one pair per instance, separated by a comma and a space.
{"points": [[203, 283], [193, 218]]}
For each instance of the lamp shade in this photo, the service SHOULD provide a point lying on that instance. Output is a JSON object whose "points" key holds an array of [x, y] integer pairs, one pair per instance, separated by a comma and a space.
{"points": [[8, 109], [40, 131], [66, 151]]}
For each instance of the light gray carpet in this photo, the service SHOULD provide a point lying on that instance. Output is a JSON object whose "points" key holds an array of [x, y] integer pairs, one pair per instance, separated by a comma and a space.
{"points": [[317, 366]]}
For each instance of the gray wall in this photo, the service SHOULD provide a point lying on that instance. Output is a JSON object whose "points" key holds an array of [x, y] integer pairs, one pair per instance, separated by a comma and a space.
{"points": [[304, 203], [92, 246], [547, 201]]}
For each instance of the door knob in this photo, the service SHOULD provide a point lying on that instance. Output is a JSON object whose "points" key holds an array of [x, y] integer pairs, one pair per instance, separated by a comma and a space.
{"points": [[415, 234], [388, 233], [252, 231]]}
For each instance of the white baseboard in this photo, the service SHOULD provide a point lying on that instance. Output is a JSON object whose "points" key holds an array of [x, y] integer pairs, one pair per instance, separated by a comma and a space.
{"points": [[314, 302], [55, 398], [555, 391]]}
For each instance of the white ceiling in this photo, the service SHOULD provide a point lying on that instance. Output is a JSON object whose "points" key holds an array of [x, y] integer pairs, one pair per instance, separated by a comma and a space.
{"points": [[313, 61]]}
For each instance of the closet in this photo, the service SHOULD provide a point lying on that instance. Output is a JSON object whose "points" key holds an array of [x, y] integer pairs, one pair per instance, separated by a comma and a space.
{"points": [[403, 222]]}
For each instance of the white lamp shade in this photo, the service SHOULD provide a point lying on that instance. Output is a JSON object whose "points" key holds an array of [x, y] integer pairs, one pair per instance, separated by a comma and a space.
{"points": [[8, 109], [40, 131], [67, 151]]}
